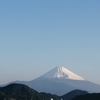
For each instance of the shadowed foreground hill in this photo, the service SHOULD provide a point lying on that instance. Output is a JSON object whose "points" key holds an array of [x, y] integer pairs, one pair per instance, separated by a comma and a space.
{"points": [[23, 92], [72, 94], [93, 96]]}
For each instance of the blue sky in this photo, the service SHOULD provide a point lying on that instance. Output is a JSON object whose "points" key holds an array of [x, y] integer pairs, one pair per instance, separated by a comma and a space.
{"points": [[38, 35]]}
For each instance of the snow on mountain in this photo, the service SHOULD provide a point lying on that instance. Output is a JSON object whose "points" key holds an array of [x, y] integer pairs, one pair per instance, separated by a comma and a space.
{"points": [[61, 73]]}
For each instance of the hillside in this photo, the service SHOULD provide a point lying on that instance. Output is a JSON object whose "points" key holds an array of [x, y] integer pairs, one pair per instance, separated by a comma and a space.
{"points": [[23, 92], [93, 96], [72, 94]]}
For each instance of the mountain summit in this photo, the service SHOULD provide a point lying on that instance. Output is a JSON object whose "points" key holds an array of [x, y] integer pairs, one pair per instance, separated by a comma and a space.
{"points": [[61, 73]]}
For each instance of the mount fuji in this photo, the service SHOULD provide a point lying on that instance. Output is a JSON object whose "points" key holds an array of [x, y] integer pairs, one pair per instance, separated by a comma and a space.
{"points": [[61, 73], [60, 81]]}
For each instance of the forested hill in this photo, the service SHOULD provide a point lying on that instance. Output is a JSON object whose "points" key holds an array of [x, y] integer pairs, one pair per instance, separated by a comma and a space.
{"points": [[73, 94], [93, 96], [23, 92]]}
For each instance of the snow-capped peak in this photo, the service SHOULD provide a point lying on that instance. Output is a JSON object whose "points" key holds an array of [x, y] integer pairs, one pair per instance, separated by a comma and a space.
{"points": [[61, 73]]}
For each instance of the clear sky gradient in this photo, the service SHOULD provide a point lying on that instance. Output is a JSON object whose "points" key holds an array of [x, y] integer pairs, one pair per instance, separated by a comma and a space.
{"points": [[38, 35]]}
